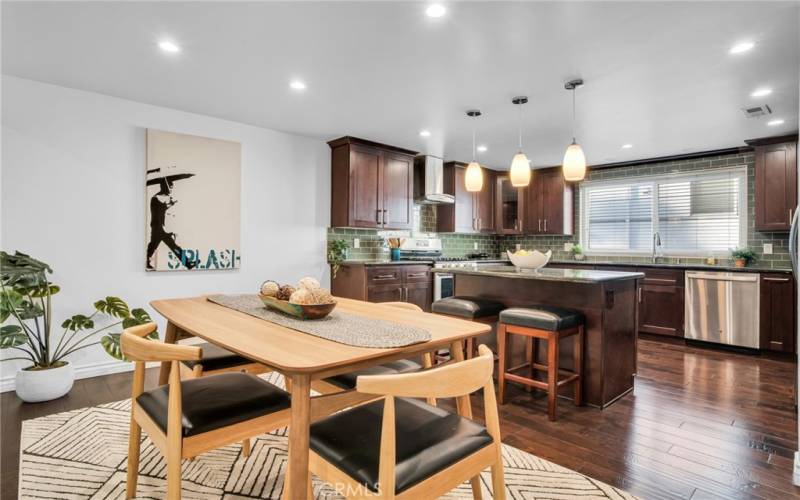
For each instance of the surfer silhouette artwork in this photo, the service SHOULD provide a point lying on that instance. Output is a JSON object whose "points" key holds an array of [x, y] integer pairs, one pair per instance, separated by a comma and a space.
{"points": [[160, 203]]}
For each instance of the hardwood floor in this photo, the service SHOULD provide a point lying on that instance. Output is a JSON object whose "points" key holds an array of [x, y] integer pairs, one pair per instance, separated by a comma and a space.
{"points": [[700, 424]]}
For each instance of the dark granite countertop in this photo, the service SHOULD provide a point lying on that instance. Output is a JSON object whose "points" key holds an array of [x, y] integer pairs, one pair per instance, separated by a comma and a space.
{"points": [[667, 265], [547, 274]]}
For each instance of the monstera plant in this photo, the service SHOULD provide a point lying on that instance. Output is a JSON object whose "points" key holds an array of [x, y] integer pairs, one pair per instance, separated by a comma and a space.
{"points": [[26, 314]]}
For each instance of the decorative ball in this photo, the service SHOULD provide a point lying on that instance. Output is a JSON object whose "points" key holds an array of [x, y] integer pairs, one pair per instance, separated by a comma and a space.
{"points": [[284, 292], [308, 283], [269, 288], [321, 296], [302, 297]]}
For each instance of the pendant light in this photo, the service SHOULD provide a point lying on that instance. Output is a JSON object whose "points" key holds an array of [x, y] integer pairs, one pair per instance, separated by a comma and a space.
{"points": [[473, 177], [520, 174], [574, 165]]}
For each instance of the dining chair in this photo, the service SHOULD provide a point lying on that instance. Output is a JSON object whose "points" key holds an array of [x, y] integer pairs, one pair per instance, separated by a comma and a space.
{"points": [[217, 360], [401, 448], [347, 381], [186, 418]]}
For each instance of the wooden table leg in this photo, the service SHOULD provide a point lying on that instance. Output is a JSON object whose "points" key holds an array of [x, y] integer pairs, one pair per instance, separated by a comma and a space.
{"points": [[170, 336], [297, 475]]}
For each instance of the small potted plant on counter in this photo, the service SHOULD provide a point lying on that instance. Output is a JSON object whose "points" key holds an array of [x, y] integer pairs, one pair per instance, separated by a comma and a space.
{"points": [[577, 252], [26, 299], [337, 253], [743, 256]]}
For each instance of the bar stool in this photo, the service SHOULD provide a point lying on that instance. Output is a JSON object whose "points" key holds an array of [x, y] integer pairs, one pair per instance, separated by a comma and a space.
{"points": [[470, 308], [550, 324]]}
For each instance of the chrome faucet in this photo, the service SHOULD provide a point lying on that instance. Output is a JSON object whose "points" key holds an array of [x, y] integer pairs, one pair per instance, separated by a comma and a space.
{"points": [[656, 244]]}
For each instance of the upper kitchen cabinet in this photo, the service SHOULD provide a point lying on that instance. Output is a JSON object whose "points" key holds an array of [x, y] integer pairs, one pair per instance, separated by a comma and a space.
{"points": [[548, 203], [471, 212], [371, 185], [510, 205], [776, 184]]}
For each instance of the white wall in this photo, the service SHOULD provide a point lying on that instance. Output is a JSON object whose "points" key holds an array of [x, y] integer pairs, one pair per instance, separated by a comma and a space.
{"points": [[73, 173]]}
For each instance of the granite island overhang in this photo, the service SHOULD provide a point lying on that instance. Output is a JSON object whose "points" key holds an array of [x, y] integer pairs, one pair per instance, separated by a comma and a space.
{"points": [[607, 299]]}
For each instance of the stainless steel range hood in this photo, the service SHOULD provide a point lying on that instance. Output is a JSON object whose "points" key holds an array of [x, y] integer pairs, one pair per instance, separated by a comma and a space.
{"points": [[429, 181]]}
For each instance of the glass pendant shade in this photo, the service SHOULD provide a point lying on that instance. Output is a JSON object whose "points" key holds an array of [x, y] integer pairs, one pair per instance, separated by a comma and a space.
{"points": [[473, 177], [520, 170], [574, 166]]}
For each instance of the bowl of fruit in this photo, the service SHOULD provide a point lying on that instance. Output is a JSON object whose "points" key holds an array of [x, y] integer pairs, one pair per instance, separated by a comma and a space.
{"points": [[308, 300], [529, 259]]}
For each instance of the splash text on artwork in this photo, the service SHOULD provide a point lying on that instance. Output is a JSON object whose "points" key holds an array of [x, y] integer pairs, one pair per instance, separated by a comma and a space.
{"points": [[213, 259]]}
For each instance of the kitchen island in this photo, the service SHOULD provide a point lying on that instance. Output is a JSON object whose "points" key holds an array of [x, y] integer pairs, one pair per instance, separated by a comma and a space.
{"points": [[607, 299]]}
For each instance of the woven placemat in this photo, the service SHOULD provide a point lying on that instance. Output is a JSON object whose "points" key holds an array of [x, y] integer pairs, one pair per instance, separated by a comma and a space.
{"points": [[338, 326]]}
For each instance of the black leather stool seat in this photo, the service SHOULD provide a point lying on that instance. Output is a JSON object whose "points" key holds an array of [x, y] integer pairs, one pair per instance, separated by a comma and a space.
{"points": [[467, 307], [216, 358], [348, 380], [542, 317], [215, 401], [428, 440]]}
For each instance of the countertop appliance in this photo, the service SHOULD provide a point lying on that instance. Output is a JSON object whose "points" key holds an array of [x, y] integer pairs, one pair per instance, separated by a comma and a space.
{"points": [[723, 307], [429, 181]]}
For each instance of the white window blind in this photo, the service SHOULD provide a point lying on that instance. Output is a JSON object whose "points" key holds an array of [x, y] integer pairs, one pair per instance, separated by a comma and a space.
{"points": [[692, 213]]}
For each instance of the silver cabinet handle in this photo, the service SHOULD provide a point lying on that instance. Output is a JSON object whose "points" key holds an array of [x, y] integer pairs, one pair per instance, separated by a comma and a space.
{"points": [[479, 224], [540, 224], [777, 280], [474, 224], [791, 212], [417, 275], [545, 225], [385, 216], [639, 291], [378, 216], [384, 276]]}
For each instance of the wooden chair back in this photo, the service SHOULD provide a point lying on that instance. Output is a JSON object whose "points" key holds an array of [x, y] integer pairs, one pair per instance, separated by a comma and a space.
{"points": [[404, 305]]}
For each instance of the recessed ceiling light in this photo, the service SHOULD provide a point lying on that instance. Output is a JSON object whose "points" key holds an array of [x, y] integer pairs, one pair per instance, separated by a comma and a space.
{"points": [[436, 10], [425, 133], [774, 123], [482, 148], [741, 47], [297, 85], [761, 92], [168, 46], [627, 146]]}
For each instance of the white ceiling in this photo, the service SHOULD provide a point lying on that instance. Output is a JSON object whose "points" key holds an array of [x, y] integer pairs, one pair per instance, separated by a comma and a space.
{"points": [[658, 75]]}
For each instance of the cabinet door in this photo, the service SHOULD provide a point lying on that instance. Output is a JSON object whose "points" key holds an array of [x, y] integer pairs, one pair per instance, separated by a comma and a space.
{"points": [[776, 186], [465, 204], [661, 309], [420, 294], [509, 207], [556, 203], [533, 205], [365, 188], [398, 191], [777, 312], [484, 204], [385, 293]]}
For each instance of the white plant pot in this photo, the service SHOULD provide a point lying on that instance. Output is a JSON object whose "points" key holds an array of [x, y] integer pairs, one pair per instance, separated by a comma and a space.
{"points": [[35, 386]]}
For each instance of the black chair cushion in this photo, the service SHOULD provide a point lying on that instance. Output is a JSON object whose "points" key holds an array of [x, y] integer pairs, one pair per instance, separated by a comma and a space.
{"points": [[428, 440], [216, 401], [467, 307], [217, 358], [542, 317], [348, 380]]}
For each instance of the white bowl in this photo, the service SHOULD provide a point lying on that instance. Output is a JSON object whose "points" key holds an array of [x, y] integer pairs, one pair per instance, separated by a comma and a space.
{"points": [[533, 260]]}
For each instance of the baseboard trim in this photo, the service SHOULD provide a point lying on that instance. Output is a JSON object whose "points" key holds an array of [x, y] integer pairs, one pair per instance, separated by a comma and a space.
{"points": [[85, 371]]}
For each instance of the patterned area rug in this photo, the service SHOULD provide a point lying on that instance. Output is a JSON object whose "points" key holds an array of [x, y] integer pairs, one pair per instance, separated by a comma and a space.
{"points": [[83, 454]]}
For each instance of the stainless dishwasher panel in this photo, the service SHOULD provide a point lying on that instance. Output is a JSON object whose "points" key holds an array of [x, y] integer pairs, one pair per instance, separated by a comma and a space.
{"points": [[723, 307]]}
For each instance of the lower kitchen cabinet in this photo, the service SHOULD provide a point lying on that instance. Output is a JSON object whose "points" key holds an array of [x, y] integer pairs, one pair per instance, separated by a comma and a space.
{"points": [[661, 309], [385, 293], [777, 312], [410, 283], [420, 294]]}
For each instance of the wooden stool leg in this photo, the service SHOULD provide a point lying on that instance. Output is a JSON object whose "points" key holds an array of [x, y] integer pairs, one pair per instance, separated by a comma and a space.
{"points": [[578, 364], [530, 354], [501, 362], [552, 376]]}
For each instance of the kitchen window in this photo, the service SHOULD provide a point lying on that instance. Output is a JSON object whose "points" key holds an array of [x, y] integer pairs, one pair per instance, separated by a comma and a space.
{"points": [[694, 214]]}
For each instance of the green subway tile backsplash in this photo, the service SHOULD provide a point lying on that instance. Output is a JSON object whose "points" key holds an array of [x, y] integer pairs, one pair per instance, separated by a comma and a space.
{"points": [[456, 245]]}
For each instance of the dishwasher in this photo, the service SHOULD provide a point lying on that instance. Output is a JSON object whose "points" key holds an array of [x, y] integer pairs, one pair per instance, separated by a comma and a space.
{"points": [[723, 307]]}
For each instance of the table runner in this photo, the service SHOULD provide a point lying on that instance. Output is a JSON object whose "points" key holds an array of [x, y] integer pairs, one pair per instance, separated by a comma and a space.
{"points": [[342, 327]]}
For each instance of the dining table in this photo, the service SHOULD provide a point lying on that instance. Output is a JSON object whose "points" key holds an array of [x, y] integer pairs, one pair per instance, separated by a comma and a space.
{"points": [[304, 358]]}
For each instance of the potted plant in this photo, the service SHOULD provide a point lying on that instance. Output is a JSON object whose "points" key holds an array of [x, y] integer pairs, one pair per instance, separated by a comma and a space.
{"points": [[26, 303], [577, 252], [743, 256], [337, 252]]}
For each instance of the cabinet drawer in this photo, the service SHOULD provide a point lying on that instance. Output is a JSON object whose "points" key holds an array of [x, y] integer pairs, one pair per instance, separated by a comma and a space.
{"points": [[384, 275], [385, 293], [416, 274], [655, 276]]}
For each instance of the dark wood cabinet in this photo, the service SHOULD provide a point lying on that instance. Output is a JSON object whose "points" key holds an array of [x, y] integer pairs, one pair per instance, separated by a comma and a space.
{"points": [[776, 186], [777, 322], [385, 293], [371, 185], [548, 204], [385, 283], [471, 212], [420, 294], [661, 298], [510, 206]]}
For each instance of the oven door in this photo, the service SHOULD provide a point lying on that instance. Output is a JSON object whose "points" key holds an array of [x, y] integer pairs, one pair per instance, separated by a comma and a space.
{"points": [[443, 284]]}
